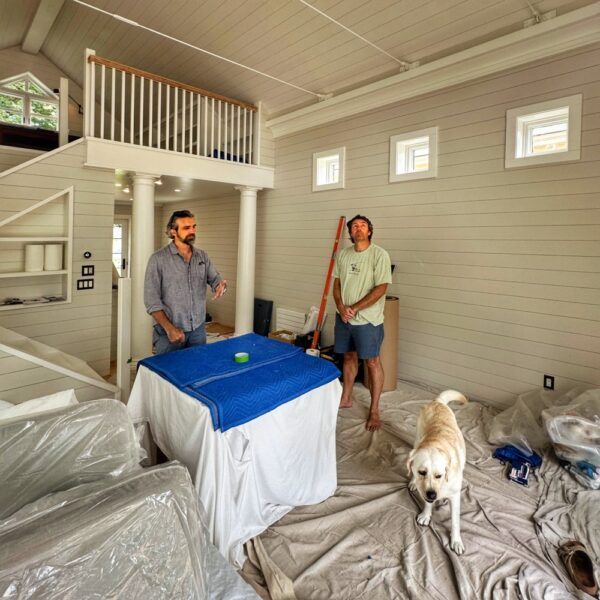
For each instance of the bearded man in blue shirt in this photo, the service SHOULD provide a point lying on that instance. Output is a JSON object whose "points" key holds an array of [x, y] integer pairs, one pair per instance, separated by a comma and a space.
{"points": [[175, 287]]}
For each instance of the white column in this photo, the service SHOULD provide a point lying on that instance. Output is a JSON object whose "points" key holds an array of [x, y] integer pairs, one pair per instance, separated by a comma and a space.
{"points": [[142, 246], [244, 298]]}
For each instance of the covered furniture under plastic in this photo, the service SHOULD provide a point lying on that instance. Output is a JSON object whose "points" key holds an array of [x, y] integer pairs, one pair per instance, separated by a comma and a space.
{"points": [[53, 451], [139, 535], [251, 475]]}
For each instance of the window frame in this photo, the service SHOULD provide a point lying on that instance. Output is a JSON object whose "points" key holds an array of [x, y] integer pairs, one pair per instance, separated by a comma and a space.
{"points": [[519, 121], [27, 97], [340, 184], [399, 144]]}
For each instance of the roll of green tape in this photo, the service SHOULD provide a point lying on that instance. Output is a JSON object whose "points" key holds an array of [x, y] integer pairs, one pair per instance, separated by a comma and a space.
{"points": [[241, 357]]}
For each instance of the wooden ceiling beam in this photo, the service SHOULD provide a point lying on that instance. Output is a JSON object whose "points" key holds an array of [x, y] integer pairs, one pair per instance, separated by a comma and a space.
{"points": [[40, 25]]}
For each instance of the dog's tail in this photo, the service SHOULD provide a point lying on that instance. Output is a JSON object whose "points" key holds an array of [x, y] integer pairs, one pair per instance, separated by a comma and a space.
{"points": [[451, 396]]}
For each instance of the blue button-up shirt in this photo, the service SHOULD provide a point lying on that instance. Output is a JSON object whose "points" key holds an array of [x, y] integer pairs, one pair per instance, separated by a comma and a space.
{"points": [[178, 287]]}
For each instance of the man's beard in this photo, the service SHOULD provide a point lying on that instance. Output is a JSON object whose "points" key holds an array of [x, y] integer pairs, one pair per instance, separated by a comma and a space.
{"points": [[189, 240]]}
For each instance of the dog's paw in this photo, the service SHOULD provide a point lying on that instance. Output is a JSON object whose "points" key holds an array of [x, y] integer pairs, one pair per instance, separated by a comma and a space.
{"points": [[457, 545], [423, 519], [412, 486]]}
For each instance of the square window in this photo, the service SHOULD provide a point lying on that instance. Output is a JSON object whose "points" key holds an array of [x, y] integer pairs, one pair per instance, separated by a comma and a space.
{"points": [[328, 169], [413, 155], [544, 133]]}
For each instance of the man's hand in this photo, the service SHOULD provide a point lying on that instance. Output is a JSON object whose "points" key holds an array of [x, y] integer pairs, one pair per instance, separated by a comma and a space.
{"points": [[220, 289], [346, 313], [175, 335]]}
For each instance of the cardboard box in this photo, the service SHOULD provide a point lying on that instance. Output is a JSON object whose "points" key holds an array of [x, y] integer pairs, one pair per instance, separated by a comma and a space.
{"points": [[283, 335]]}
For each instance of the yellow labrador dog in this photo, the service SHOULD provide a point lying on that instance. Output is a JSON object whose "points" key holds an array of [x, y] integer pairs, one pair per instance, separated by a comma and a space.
{"points": [[437, 461]]}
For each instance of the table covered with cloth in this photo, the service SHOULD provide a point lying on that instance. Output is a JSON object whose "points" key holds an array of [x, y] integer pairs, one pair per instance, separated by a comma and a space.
{"points": [[258, 437]]}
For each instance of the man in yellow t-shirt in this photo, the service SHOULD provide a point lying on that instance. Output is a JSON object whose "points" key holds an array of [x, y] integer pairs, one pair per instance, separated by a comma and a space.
{"points": [[361, 273]]}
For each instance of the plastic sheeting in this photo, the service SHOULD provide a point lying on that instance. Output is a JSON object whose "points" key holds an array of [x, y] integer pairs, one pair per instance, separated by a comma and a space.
{"points": [[251, 475], [138, 536], [521, 424], [57, 450], [575, 433]]}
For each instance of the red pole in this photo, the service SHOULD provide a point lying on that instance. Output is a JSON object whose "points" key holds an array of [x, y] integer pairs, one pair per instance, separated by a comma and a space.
{"points": [[338, 235]]}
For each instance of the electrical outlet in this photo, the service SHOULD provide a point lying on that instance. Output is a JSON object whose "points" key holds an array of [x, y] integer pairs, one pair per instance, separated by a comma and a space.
{"points": [[87, 270], [548, 382]]}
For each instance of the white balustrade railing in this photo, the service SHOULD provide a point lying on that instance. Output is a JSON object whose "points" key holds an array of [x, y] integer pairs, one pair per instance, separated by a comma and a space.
{"points": [[124, 104]]}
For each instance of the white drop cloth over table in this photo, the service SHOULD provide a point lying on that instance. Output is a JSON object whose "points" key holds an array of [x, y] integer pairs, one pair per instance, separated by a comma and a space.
{"points": [[249, 476], [364, 543]]}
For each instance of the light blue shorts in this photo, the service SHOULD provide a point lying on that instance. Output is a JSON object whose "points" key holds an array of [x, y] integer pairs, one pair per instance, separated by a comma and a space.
{"points": [[365, 339]]}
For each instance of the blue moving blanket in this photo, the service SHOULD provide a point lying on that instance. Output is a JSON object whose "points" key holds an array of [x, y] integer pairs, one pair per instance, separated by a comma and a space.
{"points": [[236, 393]]}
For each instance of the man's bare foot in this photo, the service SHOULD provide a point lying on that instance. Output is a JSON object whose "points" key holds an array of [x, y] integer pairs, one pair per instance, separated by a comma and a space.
{"points": [[373, 422], [346, 402]]}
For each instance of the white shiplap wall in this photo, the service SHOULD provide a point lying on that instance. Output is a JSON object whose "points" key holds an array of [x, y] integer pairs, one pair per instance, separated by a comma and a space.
{"points": [[81, 328], [11, 157], [217, 234], [497, 270]]}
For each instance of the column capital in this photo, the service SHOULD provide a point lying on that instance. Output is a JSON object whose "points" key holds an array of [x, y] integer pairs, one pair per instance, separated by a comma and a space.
{"points": [[145, 178], [247, 188]]}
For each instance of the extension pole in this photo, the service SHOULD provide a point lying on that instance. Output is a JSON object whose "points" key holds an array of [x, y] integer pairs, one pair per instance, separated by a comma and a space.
{"points": [[336, 243]]}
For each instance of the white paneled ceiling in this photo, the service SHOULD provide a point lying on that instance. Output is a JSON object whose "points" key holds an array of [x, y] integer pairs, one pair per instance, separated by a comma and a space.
{"points": [[282, 38]]}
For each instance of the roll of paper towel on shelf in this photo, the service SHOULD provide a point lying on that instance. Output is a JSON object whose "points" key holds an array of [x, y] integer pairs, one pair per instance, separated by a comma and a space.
{"points": [[53, 257], [34, 258]]}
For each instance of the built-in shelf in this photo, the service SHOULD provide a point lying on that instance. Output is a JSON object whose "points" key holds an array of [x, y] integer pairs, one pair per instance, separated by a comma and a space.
{"points": [[34, 305], [52, 283], [34, 273]]}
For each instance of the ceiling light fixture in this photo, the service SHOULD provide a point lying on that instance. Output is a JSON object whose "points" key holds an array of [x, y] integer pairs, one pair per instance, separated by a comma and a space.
{"points": [[118, 184], [158, 182], [176, 190], [126, 190]]}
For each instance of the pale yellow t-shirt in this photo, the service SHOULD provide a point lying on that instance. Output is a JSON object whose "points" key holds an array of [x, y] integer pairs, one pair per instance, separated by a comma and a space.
{"points": [[359, 273]]}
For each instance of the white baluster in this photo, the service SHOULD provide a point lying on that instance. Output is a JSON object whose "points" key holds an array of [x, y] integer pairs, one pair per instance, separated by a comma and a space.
{"points": [[244, 138], [131, 109], [168, 117], [122, 106], [112, 106], [175, 115], [191, 125], [150, 107], [102, 84], [159, 119], [183, 120], [141, 127], [198, 110], [238, 132], [205, 125], [251, 143], [219, 129], [212, 126], [225, 105], [232, 127]]}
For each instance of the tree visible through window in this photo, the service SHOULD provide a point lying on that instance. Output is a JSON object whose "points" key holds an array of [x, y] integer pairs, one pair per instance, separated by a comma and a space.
{"points": [[24, 100]]}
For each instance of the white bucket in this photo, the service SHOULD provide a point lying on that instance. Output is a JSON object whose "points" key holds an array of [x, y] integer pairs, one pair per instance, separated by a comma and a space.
{"points": [[53, 257], [34, 258]]}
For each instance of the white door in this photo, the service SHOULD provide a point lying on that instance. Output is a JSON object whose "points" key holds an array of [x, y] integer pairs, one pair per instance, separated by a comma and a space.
{"points": [[120, 248]]}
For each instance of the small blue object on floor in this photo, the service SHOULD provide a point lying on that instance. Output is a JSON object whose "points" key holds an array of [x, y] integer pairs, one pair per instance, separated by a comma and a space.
{"points": [[237, 392], [520, 463]]}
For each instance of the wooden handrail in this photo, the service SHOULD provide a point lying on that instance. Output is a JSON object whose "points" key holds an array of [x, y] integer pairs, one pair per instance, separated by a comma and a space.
{"points": [[159, 78]]}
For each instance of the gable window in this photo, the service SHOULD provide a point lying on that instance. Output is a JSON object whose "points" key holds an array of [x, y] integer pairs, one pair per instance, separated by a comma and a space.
{"points": [[544, 133], [24, 100], [328, 169], [413, 155]]}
